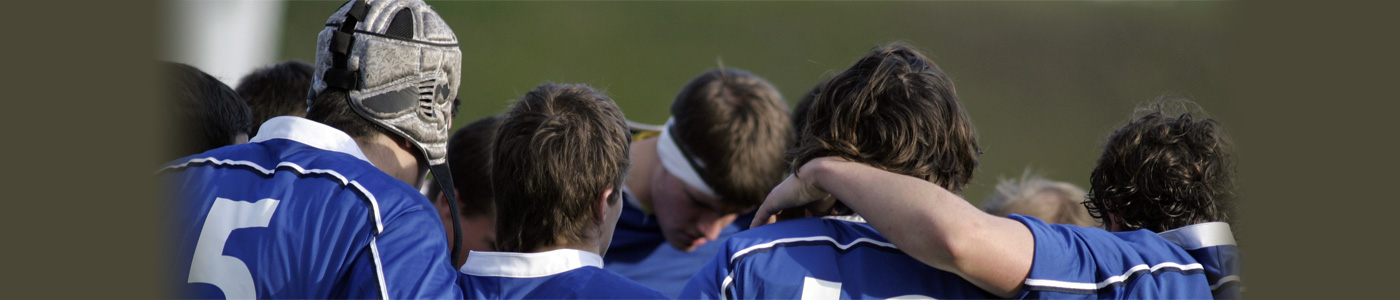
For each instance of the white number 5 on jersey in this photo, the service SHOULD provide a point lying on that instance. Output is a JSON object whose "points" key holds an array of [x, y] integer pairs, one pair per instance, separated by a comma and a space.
{"points": [[210, 266]]}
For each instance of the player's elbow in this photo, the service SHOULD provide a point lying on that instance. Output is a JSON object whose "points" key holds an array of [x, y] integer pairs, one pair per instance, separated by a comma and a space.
{"points": [[993, 253], [966, 246]]}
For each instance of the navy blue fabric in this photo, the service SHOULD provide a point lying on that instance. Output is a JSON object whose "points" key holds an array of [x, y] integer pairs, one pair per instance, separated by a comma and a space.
{"points": [[321, 239], [849, 254], [1221, 262]]}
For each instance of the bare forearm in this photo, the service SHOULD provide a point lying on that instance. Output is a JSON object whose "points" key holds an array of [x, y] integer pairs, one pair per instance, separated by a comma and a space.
{"points": [[932, 224]]}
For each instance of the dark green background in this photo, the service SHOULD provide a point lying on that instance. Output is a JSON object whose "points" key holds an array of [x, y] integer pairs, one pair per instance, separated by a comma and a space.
{"points": [[1043, 82], [1310, 94]]}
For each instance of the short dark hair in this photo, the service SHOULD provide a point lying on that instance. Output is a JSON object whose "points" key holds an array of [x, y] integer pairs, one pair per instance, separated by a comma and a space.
{"points": [[558, 148], [894, 109], [737, 125], [469, 157], [208, 114], [276, 90], [799, 115], [1163, 171], [332, 107]]}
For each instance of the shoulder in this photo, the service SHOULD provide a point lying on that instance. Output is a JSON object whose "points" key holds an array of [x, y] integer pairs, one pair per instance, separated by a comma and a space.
{"points": [[1140, 243], [329, 174], [605, 284], [830, 235], [829, 230], [1082, 260]]}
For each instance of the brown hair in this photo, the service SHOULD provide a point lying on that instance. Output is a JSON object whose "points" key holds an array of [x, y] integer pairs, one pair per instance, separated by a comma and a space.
{"points": [[469, 157], [557, 149], [207, 113], [736, 124], [893, 109], [276, 90], [799, 116], [1164, 170], [332, 107]]}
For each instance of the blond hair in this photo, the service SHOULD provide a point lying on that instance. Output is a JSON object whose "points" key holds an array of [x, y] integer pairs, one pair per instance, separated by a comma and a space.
{"points": [[1051, 201]]}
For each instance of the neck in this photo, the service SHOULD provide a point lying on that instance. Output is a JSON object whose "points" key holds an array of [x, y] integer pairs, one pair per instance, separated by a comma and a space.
{"points": [[644, 163], [392, 157], [588, 246]]}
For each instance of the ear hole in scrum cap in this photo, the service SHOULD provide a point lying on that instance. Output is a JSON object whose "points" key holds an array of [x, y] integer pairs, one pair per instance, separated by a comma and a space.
{"points": [[402, 25]]}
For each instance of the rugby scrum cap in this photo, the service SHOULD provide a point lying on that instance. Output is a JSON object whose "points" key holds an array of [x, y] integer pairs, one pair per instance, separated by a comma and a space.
{"points": [[400, 65]]}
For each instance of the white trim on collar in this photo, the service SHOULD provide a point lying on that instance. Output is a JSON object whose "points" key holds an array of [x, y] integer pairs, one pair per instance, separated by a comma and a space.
{"points": [[1201, 235], [528, 265], [308, 132]]}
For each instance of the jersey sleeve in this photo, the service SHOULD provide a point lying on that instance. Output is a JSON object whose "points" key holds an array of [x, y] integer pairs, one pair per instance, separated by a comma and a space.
{"points": [[1091, 263], [412, 251], [708, 282]]}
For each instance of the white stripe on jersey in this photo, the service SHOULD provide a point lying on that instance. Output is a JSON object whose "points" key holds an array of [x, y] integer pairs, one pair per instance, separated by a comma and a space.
{"points": [[775, 243], [1223, 281], [1089, 286], [373, 203]]}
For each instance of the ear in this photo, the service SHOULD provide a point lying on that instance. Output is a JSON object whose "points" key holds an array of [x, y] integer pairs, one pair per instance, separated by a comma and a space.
{"points": [[403, 142], [600, 211], [440, 198]]}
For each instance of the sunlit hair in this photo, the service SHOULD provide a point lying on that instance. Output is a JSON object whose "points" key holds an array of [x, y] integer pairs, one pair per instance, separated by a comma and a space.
{"points": [[1048, 200], [1164, 170], [894, 109], [557, 149], [737, 124]]}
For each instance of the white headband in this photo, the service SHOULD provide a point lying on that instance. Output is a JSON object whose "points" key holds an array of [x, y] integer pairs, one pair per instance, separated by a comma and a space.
{"points": [[676, 163]]}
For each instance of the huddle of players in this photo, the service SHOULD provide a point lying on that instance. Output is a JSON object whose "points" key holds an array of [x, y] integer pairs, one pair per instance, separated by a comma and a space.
{"points": [[561, 197]]}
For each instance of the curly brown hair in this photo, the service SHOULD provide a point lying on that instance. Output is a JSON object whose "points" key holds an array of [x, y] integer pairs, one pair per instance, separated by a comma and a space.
{"points": [[1163, 171], [894, 109]]}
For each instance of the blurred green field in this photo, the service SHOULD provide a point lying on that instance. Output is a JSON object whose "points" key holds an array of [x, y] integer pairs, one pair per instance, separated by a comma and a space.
{"points": [[1044, 82]]}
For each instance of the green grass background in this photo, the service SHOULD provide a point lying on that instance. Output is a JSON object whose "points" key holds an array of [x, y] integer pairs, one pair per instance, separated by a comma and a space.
{"points": [[1044, 82]]}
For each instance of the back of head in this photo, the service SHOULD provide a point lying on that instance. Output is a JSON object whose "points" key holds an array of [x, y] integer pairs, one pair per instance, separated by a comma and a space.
{"points": [[799, 116], [558, 148], [893, 109], [736, 125], [1051, 201], [1164, 170], [469, 154], [276, 90], [393, 63], [209, 114]]}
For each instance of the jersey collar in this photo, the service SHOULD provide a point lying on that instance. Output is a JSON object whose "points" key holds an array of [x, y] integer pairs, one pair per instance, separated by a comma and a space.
{"points": [[308, 132], [1201, 235], [528, 265]]}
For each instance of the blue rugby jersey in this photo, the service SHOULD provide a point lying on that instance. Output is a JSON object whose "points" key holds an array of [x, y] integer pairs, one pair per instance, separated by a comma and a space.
{"points": [[639, 251], [1213, 245], [821, 258], [300, 213], [556, 274], [1091, 263]]}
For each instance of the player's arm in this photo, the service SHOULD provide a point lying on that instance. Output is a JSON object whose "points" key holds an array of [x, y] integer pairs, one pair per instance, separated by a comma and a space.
{"points": [[926, 221]]}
